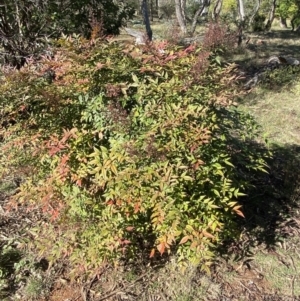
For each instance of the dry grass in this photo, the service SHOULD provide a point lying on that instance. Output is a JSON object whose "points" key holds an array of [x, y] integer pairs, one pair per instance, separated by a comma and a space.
{"points": [[278, 113]]}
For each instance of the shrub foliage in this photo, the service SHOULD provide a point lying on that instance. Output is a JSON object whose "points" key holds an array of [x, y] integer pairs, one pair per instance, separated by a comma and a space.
{"points": [[128, 151]]}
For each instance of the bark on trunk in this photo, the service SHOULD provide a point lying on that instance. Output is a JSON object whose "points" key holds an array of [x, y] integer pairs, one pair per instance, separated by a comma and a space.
{"points": [[180, 14], [199, 13], [255, 11], [217, 10], [241, 10], [145, 14], [151, 11], [283, 23], [271, 15]]}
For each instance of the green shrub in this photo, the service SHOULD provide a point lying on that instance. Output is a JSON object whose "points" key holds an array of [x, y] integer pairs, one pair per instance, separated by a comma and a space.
{"points": [[136, 151], [258, 23]]}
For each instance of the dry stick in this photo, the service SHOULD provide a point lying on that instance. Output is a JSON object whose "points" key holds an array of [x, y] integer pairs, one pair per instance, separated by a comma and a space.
{"points": [[83, 293], [109, 295], [76, 298], [294, 277], [293, 286], [245, 287]]}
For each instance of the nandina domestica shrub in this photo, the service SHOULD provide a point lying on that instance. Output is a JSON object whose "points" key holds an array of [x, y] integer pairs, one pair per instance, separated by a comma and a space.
{"points": [[136, 150]]}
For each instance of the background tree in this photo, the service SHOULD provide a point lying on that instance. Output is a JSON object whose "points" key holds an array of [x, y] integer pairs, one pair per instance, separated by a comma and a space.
{"points": [[217, 9], [271, 16], [180, 8], [145, 13], [255, 11], [241, 10], [286, 9], [198, 8], [166, 9], [26, 25], [201, 8], [295, 20]]}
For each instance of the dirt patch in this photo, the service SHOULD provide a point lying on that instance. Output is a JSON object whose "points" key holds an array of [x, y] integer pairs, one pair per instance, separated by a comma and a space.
{"points": [[64, 292]]}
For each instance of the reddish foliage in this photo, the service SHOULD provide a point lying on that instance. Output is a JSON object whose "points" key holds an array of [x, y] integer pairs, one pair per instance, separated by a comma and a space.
{"points": [[218, 36]]}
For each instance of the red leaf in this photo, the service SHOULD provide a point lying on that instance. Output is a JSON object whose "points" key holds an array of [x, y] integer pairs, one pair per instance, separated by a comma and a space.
{"points": [[161, 248], [79, 182], [137, 208], [190, 48], [240, 213], [184, 239], [54, 150], [237, 211], [152, 253], [130, 228], [64, 159], [206, 234]]}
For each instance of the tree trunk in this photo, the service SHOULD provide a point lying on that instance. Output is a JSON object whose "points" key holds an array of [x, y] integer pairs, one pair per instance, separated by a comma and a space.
{"points": [[283, 23], [198, 13], [241, 24], [217, 10], [241, 10], [180, 14], [155, 8], [145, 14], [159, 11], [151, 11], [293, 22], [255, 11], [271, 15]]}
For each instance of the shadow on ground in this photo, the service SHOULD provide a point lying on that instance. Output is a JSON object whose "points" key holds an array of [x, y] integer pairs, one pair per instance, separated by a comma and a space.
{"points": [[284, 42], [272, 202], [257, 48]]}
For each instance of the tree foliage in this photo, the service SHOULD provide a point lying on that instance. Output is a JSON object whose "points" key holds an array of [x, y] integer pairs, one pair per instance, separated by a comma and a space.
{"points": [[26, 26], [257, 15]]}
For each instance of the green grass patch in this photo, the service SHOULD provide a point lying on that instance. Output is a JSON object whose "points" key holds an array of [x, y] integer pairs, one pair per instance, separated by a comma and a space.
{"points": [[278, 113], [281, 269]]}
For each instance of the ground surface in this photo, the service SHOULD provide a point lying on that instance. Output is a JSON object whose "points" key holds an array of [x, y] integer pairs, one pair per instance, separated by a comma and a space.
{"points": [[263, 265]]}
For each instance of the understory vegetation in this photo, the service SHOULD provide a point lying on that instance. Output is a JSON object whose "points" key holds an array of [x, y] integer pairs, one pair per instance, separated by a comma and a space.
{"points": [[116, 154], [128, 150]]}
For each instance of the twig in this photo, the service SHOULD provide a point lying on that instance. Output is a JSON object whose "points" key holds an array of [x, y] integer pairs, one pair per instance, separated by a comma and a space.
{"points": [[76, 298], [293, 286], [293, 263], [245, 287], [110, 295]]}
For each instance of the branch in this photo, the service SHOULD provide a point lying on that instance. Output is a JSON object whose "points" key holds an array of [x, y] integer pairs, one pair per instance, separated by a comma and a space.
{"points": [[199, 13]]}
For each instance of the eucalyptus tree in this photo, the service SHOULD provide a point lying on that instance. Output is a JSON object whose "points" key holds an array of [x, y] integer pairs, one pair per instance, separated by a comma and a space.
{"points": [[289, 9], [180, 8], [203, 7], [241, 10], [255, 11], [216, 10], [200, 6], [271, 15]]}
